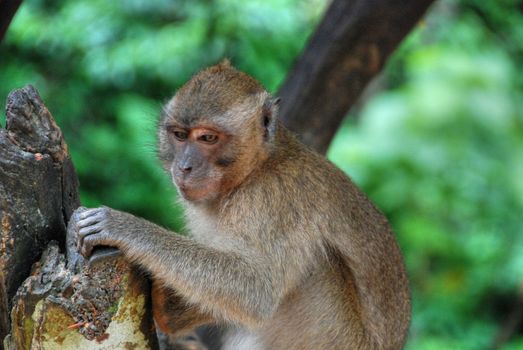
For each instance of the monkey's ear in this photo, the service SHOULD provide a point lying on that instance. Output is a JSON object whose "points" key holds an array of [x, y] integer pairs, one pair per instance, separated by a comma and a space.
{"points": [[167, 109], [225, 63], [269, 116]]}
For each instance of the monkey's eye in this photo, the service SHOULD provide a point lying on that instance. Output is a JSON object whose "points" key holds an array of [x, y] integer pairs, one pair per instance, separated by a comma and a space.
{"points": [[208, 138], [180, 135]]}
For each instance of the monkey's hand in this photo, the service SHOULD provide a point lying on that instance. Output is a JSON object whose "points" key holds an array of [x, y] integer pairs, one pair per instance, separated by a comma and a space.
{"points": [[103, 227]]}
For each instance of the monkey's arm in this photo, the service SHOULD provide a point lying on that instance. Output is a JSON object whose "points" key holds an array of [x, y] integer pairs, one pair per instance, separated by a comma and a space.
{"points": [[227, 285]]}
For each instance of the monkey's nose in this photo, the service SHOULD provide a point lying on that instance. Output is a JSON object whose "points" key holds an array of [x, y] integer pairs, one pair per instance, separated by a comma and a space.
{"points": [[185, 168]]}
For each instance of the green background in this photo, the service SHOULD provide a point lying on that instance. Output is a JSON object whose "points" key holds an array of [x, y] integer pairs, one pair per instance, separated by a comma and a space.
{"points": [[436, 142]]}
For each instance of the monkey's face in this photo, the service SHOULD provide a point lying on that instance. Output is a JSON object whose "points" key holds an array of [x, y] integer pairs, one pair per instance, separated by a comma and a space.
{"points": [[208, 159], [215, 131], [197, 164]]}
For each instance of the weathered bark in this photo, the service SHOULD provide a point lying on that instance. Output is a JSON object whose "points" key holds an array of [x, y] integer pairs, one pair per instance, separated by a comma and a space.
{"points": [[38, 191], [349, 48], [7, 11], [61, 305]]}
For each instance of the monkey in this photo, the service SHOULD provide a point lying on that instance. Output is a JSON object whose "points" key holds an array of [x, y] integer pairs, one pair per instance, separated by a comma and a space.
{"points": [[284, 251]]}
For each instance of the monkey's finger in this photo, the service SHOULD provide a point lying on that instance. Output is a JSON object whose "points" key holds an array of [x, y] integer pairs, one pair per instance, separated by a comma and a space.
{"points": [[89, 221], [92, 241], [104, 254], [75, 216], [86, 250], [89, 243], [79, 210], [89, 212], [86, 231]]}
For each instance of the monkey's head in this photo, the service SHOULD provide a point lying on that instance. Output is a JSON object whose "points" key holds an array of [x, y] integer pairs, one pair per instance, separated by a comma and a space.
{"points": [[215, 131]]}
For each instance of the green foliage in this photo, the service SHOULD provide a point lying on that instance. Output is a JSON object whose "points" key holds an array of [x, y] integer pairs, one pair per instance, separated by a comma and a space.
{"points": [[439, 148], [441, 152]]}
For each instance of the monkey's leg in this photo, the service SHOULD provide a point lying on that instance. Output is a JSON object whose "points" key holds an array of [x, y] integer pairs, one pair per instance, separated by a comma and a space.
{"points": [[172, 314]]}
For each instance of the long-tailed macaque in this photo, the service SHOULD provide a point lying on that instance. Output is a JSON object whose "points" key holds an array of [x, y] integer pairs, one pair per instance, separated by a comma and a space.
{"points": [[285, 252]]}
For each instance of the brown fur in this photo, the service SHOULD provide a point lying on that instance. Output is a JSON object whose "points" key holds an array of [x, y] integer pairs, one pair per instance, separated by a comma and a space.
{"points": [[285, 250]]}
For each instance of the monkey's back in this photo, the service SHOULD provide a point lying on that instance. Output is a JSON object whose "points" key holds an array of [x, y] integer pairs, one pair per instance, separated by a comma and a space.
{"points": [[352, 284]]}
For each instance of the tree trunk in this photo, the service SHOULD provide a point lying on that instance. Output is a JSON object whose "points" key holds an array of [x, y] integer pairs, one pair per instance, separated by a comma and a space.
{"points": [[62, 304], [7, 12], [38, 191], [349, 47]]}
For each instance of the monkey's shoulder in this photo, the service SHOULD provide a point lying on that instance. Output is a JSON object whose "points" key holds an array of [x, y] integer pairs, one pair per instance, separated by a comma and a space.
{"points": [[307, 173], [298, 181]]}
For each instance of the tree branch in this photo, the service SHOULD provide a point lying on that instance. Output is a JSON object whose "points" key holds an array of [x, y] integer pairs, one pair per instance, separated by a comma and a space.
{"points": [[7, 11], [350, 47]]}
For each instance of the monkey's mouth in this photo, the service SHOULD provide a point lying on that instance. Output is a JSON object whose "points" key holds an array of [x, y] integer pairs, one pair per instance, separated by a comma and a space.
{"points": [[192, 192]]}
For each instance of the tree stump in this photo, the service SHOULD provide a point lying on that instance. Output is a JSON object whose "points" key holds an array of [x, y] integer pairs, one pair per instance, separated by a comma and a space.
{"points": [[98, 306], [65, 303]]}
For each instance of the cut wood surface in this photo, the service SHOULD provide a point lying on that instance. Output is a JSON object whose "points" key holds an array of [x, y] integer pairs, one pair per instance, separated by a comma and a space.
{"points": [[102, 306]]}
